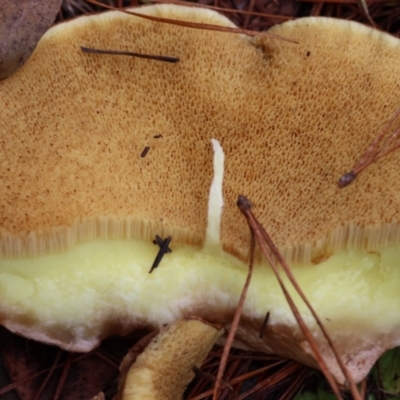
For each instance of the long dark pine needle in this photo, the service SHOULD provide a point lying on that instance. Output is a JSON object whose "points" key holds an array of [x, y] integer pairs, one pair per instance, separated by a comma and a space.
{"points": [[267, 244], [235, 322], [194, 25], [167, 59], [48, 376], [375, 150], [64, 375]]}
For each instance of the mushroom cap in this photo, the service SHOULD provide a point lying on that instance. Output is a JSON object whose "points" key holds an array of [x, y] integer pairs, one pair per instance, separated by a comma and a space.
{"points": [[290, 118]]}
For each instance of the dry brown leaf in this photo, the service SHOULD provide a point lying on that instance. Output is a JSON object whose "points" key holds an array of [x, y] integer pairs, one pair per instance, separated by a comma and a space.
{"points": [[22, 24]]}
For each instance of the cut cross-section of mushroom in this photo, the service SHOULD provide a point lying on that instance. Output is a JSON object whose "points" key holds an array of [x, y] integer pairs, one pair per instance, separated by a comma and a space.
{"points": [[80, 207]]}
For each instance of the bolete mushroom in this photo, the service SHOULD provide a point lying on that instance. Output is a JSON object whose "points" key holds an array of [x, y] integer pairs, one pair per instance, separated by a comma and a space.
{"points": [[80, 206]]}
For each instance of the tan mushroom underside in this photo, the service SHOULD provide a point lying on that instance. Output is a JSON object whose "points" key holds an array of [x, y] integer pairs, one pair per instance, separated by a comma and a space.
{"points": [[290, 118]]}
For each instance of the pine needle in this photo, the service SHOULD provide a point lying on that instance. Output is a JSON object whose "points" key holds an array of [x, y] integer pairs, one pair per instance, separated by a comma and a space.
{"points": [[195, 25], [266, 244], [225, 10], [375, 150], [235, 322]]}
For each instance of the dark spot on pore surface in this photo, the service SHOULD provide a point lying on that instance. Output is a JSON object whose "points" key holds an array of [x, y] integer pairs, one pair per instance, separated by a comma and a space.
{"points": [[145, 151]]}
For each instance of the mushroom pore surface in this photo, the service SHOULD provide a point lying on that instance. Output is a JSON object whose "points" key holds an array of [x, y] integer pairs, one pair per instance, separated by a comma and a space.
{"points": [[290, 118]]}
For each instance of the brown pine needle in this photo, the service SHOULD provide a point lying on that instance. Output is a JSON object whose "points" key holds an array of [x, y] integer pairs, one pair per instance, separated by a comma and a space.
{"points": [[344, 1], [195, 25], [49, 374], [272, 381], [266, 244], [295, 385], [210, 377], [252, 374], [235, 322], [247, 19], [375, 150], [109, 359], [364, 6], [15, 384], [241, 378], [243, 367], [63, 377], [225, 10], [250, 356], [229, 373]]}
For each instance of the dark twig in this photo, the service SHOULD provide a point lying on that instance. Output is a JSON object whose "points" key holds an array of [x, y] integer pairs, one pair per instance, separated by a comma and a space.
{"points": [[145, 151], [164, 249], [157, 240]]}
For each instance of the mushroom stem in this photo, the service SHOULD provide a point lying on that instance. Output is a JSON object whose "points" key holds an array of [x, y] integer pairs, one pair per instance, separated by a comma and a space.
{"points": [[165, 367]]}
